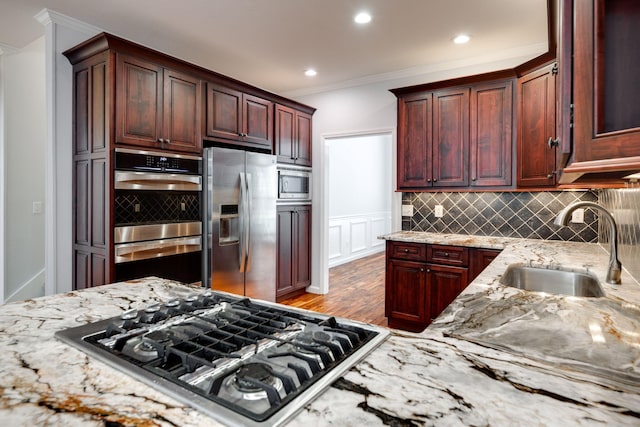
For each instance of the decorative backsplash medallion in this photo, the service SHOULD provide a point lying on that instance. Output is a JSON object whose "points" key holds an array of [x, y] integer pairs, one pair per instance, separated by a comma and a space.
{"points": [[508, 214]]}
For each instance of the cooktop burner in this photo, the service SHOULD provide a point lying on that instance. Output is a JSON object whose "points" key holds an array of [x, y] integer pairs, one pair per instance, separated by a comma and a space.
{"points": [[241, 361]]}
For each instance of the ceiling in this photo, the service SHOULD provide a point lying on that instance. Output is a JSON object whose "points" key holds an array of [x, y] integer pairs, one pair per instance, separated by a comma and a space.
{"points": [[269, 43]]}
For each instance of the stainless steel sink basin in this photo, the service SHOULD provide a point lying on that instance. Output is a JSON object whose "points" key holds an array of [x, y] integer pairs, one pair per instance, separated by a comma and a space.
{"points": [[552, 280]]}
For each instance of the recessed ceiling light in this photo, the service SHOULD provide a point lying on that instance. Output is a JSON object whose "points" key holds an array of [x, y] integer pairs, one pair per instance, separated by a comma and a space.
{"points": [[310, 72], [362, 18], [461, 39]]}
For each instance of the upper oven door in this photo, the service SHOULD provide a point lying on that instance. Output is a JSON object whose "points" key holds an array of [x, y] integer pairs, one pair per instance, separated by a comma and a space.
{"points": [[127, 180]]}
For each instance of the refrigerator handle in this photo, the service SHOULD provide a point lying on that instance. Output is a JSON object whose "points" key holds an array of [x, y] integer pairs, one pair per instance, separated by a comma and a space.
{"points": [[242, 211], [249, 195]]}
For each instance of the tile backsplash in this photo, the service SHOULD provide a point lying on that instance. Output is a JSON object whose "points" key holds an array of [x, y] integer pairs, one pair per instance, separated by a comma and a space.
{"points": [[624, 205], [508, 214]]}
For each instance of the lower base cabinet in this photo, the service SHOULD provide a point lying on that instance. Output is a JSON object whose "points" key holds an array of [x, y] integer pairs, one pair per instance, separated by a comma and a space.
{"points": [[293, 269], [422, 280]]}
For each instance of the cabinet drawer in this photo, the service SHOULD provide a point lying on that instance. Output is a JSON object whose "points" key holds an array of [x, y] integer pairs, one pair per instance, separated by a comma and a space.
{"points": [[449, 255], [407, 251]]}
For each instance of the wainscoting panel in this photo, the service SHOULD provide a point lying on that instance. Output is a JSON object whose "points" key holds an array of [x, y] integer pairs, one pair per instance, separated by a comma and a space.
{"points": [[353, 237]]}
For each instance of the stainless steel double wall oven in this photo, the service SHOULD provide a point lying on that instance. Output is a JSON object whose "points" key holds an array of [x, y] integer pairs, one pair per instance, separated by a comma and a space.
{"points": [[157, 215]]}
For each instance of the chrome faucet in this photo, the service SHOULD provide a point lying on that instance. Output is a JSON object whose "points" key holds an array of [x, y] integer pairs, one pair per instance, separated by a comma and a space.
{"points": [[615, 268]]}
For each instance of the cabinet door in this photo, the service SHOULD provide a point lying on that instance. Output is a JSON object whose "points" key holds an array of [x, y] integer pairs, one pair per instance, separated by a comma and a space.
{"points": [[138, 102], [285, 134], [445, 284], [406, 292], [181, 118], [491, 137], [606, 89], [285, 251], [224, 110], [302, 240], [451, 138], [303, 139], [414, 141], [536, 125], [480, 259], [257, 120]]}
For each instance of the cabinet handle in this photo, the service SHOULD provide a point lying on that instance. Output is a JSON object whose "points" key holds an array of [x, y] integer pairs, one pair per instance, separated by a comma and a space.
{"points": [[553, 142], [446, 254], [160, 140]]}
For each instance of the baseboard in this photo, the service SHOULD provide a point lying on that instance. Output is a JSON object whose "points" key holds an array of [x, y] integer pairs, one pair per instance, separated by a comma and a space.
{"points": [[32, 288], [371, 251]]}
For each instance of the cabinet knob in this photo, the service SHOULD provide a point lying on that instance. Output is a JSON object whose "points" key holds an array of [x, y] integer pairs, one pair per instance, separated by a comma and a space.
{"points": [[435, 179], [428, 179], [160, 140], [406, 251], [422, 270], [168, 141], [473, 179], [553, 142], [428, 270], [446, 254]]}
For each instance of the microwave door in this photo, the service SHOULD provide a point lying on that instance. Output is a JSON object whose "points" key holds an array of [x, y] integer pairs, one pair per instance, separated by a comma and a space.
{"points": [[225, 207]]}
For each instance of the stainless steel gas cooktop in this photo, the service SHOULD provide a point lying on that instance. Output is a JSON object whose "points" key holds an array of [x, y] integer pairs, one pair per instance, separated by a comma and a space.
{"points": [[241, 361]]}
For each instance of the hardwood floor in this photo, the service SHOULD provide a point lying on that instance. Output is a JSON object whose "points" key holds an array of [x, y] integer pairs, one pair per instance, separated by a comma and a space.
{"points": [[356, 291]]}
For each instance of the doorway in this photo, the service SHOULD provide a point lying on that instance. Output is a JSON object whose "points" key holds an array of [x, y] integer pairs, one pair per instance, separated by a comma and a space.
{"points": [[358, 201]]}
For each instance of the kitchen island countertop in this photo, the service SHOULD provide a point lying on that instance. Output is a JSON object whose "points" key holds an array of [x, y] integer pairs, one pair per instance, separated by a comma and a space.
{"points": [[496, 356]]}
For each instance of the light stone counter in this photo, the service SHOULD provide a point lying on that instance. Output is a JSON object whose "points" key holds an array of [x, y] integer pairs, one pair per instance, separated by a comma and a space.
{"points": [[497, 356]]}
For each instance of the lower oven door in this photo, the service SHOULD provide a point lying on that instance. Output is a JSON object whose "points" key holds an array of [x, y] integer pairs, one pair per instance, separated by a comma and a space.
{"points": [[136, 251]]}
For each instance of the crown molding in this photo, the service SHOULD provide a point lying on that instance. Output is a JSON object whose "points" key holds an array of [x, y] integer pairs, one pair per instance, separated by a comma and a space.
{"points": [[5, 49], [522, 52], [48, 16]]}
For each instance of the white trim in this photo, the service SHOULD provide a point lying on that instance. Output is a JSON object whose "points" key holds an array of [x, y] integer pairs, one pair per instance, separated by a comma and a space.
{"points": [[320, 201], [50, 229], [2, 174], [48, 16], [522, 53], [26, 290]]}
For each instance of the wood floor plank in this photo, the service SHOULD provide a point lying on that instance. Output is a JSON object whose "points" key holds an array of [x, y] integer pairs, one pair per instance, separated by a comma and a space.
{"points": [[356, 291]]}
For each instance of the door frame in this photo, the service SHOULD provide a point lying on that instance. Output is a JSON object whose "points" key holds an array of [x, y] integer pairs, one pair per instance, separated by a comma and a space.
{"points": [[320, 261]]}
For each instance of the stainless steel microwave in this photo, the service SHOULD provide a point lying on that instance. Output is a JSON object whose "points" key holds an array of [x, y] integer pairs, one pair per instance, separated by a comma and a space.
{"points": [[294, 183]]}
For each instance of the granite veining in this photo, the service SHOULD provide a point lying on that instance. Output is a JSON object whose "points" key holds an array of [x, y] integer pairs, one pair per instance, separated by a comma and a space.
{"points": [[497, 356]]}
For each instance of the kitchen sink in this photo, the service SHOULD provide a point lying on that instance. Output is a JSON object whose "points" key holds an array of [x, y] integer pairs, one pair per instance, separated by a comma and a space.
{"points": [[552, 280]]}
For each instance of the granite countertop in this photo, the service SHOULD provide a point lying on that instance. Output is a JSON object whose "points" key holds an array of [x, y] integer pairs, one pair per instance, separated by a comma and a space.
{"points": [[496, 356]]}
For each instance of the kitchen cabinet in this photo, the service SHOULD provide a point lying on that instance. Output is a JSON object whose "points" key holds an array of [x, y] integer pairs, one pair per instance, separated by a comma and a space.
{"points": [[238, 118], [479, 259], [157, 107], [457, 136], [293, 270], [292, 136], [491, 134], [536, 134], [421, 281], [602, 47]]}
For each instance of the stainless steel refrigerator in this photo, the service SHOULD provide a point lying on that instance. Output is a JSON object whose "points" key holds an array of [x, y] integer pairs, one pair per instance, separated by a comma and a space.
{"points": [[240, 222]]}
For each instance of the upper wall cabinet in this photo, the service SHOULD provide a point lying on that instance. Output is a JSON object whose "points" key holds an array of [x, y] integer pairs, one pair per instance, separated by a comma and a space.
{"points": [[157, 107], [536, 134], [292, 136], [237, 117], [456, 137], [605, 44]]}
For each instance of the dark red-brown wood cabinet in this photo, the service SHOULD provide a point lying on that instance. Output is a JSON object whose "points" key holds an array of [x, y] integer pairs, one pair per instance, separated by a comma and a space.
{"points": [[293, 272], [293, 136], [601, 44]]}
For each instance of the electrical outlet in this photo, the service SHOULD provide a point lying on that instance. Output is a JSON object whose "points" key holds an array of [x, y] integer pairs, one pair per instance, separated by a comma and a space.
{"points": [[407, 210], [136, 207], [439, 211], [183, 207], [37, 208], [578, 216]]}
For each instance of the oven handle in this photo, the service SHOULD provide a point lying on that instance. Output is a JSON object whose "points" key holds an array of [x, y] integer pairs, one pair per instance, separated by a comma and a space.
{"points": [[156, 248], [127, 180]]}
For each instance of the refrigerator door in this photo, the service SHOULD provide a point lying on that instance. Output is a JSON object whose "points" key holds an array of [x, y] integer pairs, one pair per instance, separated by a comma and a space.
{"points": [[260, 275], [226, 248]]}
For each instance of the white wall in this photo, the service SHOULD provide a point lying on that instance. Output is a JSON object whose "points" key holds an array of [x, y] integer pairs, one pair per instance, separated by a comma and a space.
{"points": [[359, 195], [23, 78]]}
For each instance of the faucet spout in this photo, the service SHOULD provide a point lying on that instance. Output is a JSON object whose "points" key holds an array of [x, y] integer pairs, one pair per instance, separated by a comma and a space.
{"points": [[615, 267]]}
